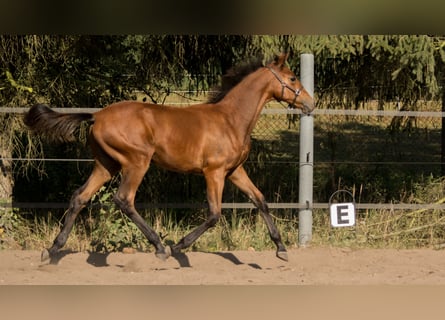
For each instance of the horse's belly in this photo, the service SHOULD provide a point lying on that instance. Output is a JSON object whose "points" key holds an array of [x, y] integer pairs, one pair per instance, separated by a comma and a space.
{"points": [[178, 165]]}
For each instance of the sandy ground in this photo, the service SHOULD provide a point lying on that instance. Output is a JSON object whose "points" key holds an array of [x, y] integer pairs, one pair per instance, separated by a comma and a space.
{"points": [[309, 266]]}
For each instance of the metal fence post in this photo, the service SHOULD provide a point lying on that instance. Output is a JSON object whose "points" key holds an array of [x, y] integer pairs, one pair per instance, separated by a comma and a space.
{"points": [[305, 193]]}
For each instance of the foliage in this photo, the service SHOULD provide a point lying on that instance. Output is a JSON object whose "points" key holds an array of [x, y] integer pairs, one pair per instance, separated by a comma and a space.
{"points": [[352, 69], [109, 229], [14, 229], [392, 229], [93, 71]]}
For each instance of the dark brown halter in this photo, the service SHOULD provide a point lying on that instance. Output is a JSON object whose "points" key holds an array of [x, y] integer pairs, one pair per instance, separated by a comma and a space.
{"points": [[284, 85]]}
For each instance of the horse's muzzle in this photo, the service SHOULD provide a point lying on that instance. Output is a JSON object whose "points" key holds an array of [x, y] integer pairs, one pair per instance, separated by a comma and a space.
{"points": [[308, 107]]}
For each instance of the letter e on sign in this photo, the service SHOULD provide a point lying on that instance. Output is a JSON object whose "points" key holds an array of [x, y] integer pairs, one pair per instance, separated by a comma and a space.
{"points": [[342, 214]]}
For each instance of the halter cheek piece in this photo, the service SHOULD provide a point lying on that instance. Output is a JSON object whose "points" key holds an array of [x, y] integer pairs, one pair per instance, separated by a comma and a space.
{"points": [[284, 85]]}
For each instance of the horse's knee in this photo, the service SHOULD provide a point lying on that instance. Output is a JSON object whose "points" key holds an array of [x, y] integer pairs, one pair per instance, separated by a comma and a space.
{"points": [[77, 202], [80, 197], [259, 201], [121, 203], [261, 204]]}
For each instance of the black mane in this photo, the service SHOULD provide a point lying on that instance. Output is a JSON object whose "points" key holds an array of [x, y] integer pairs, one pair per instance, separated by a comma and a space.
{"points": [[233, 77]]}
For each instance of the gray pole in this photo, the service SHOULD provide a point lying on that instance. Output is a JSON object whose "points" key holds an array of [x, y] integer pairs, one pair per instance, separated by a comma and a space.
{"points": [[306, 155]]}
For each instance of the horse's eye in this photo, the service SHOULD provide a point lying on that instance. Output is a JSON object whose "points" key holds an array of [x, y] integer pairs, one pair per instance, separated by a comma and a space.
{"points": [[293, 79]]}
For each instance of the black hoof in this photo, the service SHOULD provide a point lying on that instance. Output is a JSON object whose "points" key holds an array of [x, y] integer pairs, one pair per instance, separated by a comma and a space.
{"points": [[164, 255], [282, 255]]}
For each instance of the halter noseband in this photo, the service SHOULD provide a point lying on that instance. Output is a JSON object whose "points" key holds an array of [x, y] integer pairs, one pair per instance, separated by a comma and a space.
{"points": [[297, 91]]}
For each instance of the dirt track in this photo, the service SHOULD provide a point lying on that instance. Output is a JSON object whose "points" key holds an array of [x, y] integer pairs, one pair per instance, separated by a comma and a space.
{"points": [[310, 266]]}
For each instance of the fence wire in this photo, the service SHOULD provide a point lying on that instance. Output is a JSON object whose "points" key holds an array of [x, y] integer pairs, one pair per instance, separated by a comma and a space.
{"points": [[377, 154]]}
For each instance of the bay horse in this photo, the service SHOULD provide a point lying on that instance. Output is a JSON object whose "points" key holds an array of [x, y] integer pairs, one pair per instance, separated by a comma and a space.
{"points": [[212, 139]]}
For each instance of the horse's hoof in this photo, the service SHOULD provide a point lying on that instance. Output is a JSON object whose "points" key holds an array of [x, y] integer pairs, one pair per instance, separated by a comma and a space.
{"points": [[282, 255], [44, 255], [164, 255]]}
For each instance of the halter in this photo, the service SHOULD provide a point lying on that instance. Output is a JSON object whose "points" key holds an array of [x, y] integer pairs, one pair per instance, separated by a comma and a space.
{"points": [[297, 91]]}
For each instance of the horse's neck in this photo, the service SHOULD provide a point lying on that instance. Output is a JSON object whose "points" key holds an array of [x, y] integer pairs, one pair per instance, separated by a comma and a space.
{"points": [[246, 100]]}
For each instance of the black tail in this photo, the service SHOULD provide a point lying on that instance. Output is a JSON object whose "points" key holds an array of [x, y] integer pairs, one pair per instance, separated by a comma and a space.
{"points": [[55, 126]]}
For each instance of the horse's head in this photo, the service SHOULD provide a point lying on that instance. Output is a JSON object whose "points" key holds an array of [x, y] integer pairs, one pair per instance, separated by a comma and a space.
{"points": [[288, 88]]}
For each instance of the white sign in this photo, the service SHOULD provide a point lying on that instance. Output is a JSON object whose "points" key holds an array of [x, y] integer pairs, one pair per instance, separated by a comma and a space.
{"points": [[342, 214]]}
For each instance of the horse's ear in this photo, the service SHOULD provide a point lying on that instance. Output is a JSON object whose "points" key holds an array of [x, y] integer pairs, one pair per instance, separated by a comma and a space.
{"points": [[280, 60]]}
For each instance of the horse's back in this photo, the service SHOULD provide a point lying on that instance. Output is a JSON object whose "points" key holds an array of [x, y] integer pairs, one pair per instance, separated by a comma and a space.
{"points": [[123, 109]]}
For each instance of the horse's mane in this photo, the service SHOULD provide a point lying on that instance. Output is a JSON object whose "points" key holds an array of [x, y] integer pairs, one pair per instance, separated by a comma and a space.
{"points": [[234, 76]]}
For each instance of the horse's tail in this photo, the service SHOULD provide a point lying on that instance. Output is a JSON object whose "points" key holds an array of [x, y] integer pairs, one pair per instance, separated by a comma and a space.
{"points": [[55, 126]]}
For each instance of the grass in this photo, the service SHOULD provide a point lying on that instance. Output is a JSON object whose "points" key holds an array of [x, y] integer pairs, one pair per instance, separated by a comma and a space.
{"points": [[108, 230]]}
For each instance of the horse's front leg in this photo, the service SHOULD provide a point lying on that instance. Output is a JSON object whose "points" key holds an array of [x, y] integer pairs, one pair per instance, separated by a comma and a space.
{"points": [[215, 186], [240, 178]]}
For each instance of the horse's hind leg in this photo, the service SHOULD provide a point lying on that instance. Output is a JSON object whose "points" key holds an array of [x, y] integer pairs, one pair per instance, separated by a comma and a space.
{"points": [[79, 199], [240, 178], [124, 198]]}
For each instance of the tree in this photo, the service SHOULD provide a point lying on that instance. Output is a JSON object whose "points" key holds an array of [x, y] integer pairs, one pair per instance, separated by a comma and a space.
{"points": [[388, 66]]}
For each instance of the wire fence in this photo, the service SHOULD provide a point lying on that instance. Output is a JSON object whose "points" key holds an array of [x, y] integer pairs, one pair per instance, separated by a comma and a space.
{"points": [[390, 144]]}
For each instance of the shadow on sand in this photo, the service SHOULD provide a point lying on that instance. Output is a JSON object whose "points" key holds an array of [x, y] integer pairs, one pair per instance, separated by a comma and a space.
{"points": [[98, 259]]}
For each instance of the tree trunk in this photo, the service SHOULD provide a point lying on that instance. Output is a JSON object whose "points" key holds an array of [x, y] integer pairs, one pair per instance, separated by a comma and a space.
{"points": [[6, 179], [442, 157]]}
